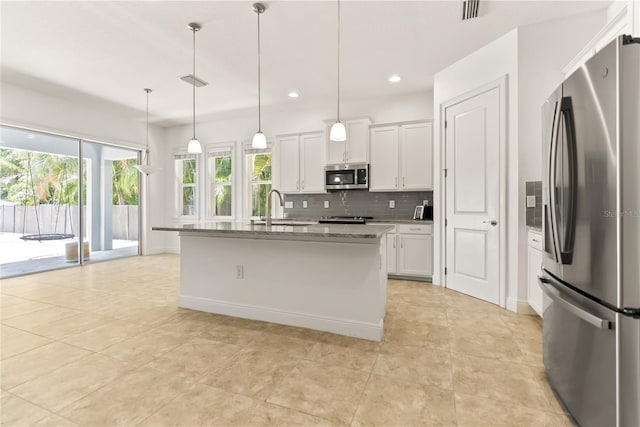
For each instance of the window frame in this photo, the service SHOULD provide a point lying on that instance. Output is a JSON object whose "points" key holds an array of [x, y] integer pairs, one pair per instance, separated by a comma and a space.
{"points": [[247, 176], [179, 186], [210, 151]]}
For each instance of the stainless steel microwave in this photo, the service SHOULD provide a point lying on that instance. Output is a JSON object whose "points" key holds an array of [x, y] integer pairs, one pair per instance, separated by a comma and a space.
{"points": [[346, 176]]}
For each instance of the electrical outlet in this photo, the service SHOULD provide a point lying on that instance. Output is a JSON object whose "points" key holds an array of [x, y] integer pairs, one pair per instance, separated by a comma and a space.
{"points": [[239, 271], [392, 204], [288, 205], [305, 205], [531, 201], [326, 204]]}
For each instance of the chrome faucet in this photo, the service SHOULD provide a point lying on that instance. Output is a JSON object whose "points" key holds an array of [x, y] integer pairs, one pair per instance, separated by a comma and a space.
{"points": [[273, 190]]}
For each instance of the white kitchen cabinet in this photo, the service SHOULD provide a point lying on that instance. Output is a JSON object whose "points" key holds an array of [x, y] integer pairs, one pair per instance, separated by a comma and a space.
{"points": [[392, 252], [416, 156], [301, 163], [384, 159], [534, 262], [355, 149], [401, 157]]}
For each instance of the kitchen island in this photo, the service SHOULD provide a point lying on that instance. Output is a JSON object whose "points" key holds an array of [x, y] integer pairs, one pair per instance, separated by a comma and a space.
{"points": [[326, 277]]}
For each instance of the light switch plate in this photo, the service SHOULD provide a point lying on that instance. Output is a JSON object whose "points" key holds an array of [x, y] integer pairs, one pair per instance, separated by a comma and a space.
{"points": [[531, 201], [288, 205], [305, 205], [392, 204], [326, 204], [425, 202]]}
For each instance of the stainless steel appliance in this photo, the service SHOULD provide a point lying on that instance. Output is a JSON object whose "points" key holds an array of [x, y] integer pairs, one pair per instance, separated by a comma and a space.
{"points": [[346, 176], [344, 219], [591, 268]]}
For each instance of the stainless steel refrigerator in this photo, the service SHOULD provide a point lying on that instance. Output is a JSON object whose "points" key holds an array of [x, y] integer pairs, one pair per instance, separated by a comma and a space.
{"points": [[591, 268]]}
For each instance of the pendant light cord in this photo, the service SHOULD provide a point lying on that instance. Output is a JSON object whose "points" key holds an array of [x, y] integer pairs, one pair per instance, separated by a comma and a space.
{"points": [[147, 150], [194, 83], [338, 118], [259, 88]]}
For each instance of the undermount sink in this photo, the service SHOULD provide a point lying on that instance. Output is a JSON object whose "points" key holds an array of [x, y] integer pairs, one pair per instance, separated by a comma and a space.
{"points": [[285, 223]]}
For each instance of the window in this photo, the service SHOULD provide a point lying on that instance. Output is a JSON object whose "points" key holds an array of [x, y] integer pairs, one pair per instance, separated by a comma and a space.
{"points": [[258, 167], [186, 193], [219, 182]]}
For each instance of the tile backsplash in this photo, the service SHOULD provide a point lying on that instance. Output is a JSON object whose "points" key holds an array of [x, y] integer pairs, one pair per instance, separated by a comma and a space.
{"points": [[357, 203], [534, 215]]}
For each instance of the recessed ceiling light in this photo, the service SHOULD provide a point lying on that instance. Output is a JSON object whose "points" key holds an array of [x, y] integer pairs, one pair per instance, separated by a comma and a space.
{"points": [[30, 136], [293, 94], [395, 78]]}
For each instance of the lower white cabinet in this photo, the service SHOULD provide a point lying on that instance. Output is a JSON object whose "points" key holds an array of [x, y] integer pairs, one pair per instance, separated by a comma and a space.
{"points": [[534, 261], [410, 250]]}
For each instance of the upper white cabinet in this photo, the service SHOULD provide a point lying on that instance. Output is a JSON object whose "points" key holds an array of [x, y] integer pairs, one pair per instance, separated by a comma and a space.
{"points": [[355, 149], [401, 157], [301, 163]]}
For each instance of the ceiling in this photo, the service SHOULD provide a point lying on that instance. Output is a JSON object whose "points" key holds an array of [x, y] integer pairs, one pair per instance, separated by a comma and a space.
{"points": [[106, 52]]}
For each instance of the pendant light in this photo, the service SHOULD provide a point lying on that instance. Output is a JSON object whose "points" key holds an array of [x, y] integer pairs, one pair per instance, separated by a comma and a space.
{"points": [[338, 132], [194, 146], [259, 140], [146, 167]]}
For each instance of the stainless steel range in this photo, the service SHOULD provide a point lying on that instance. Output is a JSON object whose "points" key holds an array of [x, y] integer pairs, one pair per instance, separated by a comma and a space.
{"points": [[344, 219]]}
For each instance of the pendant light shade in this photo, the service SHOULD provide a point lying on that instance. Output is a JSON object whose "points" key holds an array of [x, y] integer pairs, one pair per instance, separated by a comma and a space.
{"points": [[194, 146], [145, 167], [259, 140], [338, 132]]}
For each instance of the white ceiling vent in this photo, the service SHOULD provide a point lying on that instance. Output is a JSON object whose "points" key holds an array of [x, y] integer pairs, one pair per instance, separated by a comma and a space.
{"points": [[189, 78], [469, 9]]}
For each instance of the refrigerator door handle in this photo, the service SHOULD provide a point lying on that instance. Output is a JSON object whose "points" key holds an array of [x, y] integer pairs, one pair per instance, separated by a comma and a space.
{"points": [[553, 160], [567, 243], [556, 296]]}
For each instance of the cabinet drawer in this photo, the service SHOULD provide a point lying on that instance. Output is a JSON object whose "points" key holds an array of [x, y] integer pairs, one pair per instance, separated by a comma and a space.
{"points": [[415, 228], [534, 240]]}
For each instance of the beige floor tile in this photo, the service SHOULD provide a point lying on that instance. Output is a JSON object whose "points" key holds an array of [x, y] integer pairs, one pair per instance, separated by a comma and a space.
{"points": [[494, 346], [230, 334], [22, 308], [409, 332], [68, 326], [344, 354], [191, 325], [474, 411], [54, 421], [499, 380], [106, 335], [155, 316], [71, 382], [18, 412], [39, 361], [479, 321], [253, 372], [145, 347], [414, 365], [8, 300], [433, 314], [127, 401], [28, 321], [196, 358], [325, 391], [387, 402], [202, 406], [14, 341]]}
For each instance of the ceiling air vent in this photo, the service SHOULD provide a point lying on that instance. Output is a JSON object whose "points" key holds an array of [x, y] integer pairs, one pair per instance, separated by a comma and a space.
{"points": [[469, 9], [190, 79]]}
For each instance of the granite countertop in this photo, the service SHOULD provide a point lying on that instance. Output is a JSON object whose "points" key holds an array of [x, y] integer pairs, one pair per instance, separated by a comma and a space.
{"points": [[534, 228], [400, 221], [298, 230]]}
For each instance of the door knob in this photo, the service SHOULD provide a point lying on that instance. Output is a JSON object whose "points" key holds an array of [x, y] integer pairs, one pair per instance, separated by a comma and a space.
{"points": [[492, 222]]}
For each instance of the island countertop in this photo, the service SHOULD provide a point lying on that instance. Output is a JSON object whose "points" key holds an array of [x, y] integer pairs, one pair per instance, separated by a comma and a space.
{"points": [[296, 231]]}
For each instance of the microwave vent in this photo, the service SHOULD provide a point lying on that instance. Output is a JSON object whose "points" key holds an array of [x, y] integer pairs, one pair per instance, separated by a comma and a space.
{"points": [[469, 9]]}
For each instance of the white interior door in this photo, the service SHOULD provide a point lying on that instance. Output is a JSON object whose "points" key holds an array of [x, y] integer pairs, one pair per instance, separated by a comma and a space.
{"points": [[472, 186]]}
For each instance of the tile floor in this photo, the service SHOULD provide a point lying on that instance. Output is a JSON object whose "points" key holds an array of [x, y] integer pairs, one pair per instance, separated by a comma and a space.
{"points": [[104, 344]]}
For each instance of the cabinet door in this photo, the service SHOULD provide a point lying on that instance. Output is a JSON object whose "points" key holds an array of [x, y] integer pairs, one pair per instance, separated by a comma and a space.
{"points": [[289, 154], [312, 163], [336, 151], [392, 253], [415, 254], [357, 141], [384, 159], [534, 297], [416, 159]]}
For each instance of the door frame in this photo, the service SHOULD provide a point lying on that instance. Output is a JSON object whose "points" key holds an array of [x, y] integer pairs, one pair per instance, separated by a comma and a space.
{"points": [[501, 85]]}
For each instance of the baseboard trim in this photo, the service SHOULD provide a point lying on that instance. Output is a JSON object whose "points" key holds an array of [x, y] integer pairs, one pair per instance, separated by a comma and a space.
{"points": [[525, 308], [512, 304], [368, 331]]}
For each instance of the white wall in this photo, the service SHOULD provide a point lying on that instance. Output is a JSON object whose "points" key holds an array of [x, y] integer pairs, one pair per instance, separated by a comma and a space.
{"points": [[486, 65], [294, 117], [532, 58], [33, 110]]}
